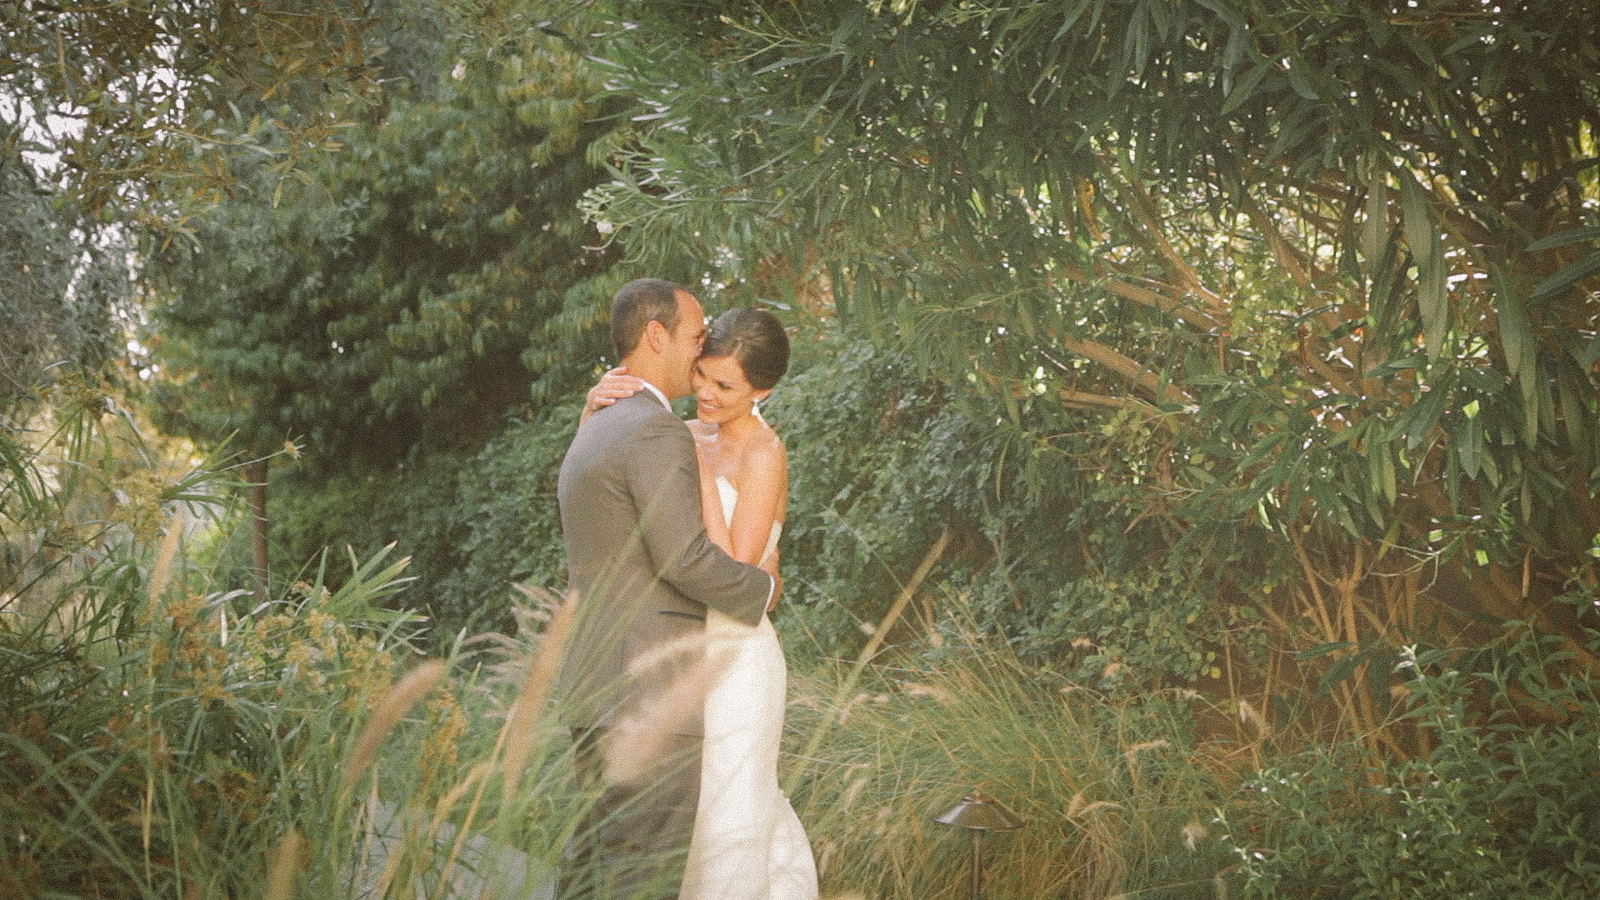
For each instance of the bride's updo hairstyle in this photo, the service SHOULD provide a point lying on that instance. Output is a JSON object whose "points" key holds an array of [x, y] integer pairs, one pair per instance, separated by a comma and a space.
{"points": [[756, 339]]}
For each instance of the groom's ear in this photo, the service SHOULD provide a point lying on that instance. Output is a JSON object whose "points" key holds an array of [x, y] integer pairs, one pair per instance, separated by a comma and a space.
{"points": [[657, 335]]}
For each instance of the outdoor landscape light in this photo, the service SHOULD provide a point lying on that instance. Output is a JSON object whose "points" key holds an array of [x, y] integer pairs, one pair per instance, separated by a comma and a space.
{"points": [[980, 814]]}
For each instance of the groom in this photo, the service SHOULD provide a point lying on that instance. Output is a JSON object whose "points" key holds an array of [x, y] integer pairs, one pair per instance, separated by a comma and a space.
{"points": [[644, 572]]}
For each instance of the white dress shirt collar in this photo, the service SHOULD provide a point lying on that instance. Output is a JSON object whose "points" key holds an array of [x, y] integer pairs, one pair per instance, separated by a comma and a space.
{"points": [[659, 395]]}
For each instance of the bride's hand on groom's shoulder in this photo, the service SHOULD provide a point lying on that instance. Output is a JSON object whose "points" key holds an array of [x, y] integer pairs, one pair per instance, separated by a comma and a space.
{"points": [[614, 385]]}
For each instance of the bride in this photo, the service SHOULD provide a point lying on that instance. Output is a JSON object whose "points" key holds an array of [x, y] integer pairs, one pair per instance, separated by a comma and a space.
{"points": [[748, 844]]}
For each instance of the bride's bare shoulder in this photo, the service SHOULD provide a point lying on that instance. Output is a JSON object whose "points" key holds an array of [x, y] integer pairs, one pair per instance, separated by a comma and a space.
{"points": [[767, 449]]}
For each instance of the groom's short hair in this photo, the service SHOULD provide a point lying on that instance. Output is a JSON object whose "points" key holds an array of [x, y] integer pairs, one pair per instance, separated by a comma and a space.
{"points": [[638, 303]]}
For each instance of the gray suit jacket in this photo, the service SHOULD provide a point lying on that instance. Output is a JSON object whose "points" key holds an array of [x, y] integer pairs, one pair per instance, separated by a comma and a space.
{"points": [[644, 572]]}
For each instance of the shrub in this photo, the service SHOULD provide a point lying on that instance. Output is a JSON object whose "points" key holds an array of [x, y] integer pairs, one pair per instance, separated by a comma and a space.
{"points": [[473, 524], [162, 735], [1504, 804], [1065, 566]]}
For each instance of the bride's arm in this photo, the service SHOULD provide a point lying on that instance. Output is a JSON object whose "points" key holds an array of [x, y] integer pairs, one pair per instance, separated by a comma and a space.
{"points": [[763, 485], [613, 386]]}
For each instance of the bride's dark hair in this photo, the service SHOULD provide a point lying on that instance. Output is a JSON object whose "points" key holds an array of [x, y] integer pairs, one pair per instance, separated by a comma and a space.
{"points": [[756, 339]]}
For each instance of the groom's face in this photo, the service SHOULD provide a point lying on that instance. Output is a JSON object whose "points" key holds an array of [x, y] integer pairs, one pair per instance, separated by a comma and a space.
{"points": [[683, 346]]}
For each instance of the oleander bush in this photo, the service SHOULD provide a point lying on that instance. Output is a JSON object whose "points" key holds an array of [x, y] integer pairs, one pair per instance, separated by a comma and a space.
{"points": [[884, 459]]}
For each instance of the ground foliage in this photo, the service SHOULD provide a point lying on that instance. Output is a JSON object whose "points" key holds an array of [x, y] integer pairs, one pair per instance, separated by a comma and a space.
{"points": [[1240, 347], [474, 523], [1491, 807]]}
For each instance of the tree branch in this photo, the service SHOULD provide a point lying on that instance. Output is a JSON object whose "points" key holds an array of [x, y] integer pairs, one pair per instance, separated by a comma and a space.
{"points": [[1126, 367]]}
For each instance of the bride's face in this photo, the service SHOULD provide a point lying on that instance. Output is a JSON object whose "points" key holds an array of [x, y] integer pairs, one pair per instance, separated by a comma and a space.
{"points": [[722, 392]]}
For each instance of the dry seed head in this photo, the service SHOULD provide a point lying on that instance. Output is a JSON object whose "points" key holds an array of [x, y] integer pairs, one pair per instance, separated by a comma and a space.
{"points": [[1096, 806], [280, 874], [1249, 716], [636, 748], [161, 572], [523, 720], [850, 705], [1131, 755], [853, 791], [411, 687], [917, 689]]}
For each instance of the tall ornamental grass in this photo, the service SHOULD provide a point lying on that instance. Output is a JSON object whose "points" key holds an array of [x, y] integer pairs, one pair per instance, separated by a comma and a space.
{"points": [[165, 733], [1116, 797]]}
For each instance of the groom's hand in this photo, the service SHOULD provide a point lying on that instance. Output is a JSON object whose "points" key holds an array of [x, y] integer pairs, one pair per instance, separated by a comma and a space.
{"points": [[613, 386], [770, 566]]}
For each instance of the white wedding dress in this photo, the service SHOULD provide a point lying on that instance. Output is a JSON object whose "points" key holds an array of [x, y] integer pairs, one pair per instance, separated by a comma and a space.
{"points": [[748, 843]]}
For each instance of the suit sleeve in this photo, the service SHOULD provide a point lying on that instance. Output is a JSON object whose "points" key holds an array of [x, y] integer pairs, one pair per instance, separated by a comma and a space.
{"points": [[665, 479]]}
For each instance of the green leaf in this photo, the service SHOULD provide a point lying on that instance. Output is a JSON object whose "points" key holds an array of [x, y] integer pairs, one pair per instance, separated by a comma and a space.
{"points": [[1381, 663], [1339, 671], [788, 61], [1566, 277], [1403, 364], [1517, 342], [1386, 473], [1246, 86], [1563, 238], [1469, 447], [1433, 297], [1590, 354], [1322, 650], [1375, 230], [1574, 410], [1419, 419], [1301, 84]]}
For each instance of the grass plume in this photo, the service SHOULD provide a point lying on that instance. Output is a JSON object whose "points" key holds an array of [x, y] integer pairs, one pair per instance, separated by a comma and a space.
{"points": [[407, 691]]}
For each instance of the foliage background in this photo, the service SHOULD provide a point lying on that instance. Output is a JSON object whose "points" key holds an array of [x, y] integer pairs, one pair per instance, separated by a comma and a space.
{"points": [[1245, 353]]}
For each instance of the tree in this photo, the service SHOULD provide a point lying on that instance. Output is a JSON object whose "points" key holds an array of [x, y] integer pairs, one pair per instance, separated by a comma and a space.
{"points": [[63, 287], [1321, 276], [393, 302], [417, 287], [142, 107]]}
